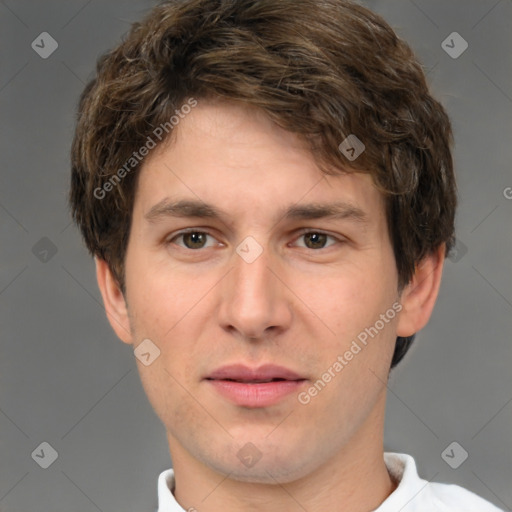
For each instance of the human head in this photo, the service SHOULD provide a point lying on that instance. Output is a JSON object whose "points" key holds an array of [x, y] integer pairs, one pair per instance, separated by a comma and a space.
{"points": [[263, 121], [342, 71]]}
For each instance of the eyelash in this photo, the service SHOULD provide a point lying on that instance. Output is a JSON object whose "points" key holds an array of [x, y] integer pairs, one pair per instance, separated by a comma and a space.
{"points": [[301, 233]]}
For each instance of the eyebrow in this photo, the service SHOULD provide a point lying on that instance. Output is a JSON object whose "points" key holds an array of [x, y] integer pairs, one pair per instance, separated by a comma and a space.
{"points": [[198, 209]]}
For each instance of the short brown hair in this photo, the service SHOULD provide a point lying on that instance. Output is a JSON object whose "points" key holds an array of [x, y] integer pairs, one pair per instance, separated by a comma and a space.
{"points": [[323, 69]]}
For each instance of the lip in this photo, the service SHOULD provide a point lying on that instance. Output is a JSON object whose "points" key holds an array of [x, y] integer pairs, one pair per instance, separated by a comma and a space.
{"points": [[245, 373], [243, 391]]}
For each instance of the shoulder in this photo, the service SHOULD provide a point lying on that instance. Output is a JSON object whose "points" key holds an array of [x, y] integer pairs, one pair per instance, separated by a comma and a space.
{"points": [[414, 494], [449, 497]]}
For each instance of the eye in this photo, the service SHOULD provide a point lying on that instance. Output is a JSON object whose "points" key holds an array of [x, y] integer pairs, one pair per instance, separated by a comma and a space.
{"points": [[191, 239], [194, 239], [315, 239]]}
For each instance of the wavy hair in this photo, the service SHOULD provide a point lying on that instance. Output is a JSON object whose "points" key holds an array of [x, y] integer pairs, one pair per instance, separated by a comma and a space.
{"points": [[322, 69]]}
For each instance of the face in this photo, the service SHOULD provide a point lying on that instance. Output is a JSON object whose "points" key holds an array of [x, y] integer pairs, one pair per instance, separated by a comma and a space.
{"points": [[300, 292]]}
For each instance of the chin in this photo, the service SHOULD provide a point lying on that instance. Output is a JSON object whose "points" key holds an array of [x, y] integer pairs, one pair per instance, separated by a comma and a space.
{"points": [[272, 468], [269, 474]]}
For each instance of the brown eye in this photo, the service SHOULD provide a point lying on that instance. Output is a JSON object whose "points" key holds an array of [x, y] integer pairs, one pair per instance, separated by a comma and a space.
{"points": [[194, 240], [191, 239], [315, 240]]}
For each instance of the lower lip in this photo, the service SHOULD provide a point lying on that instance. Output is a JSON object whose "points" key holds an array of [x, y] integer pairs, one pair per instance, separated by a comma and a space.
{"points": [[256, 395]]}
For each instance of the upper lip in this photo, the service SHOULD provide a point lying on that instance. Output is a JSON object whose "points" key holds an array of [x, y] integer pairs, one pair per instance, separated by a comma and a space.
{"points": [[244, 373]]}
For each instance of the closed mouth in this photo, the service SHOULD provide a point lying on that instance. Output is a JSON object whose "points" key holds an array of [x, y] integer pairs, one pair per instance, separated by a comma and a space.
{"points": [[259, 381]]}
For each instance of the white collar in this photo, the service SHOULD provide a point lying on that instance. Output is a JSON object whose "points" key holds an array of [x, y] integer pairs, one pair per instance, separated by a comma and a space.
{"points": [[413, 494]]}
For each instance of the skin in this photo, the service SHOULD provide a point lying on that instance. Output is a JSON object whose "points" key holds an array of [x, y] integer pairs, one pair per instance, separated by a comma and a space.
{"points": [[299, 304]]}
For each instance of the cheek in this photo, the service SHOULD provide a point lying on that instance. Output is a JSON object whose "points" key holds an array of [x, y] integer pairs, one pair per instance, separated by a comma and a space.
{"points": [[168, 307], [345, 301], [159, 297], [347, 304]]}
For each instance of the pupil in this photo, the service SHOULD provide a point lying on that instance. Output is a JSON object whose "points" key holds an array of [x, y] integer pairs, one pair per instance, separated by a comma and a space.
{"points": [[195, 238], [317, 238]]}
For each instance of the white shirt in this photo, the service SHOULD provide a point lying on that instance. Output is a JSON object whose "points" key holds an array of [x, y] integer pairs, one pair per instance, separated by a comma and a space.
{"points": [[413, 494]]}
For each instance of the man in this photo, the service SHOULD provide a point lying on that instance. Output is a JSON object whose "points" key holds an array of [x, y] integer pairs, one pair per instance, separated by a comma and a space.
{"points": [[267, 188]]}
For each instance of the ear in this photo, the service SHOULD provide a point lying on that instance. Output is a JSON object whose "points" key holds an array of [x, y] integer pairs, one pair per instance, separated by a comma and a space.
{"points": [[114, 302], [420, 294]]}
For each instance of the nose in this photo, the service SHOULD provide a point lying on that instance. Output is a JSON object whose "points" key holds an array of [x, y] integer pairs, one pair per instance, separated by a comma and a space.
{"points": [[256, 302]]}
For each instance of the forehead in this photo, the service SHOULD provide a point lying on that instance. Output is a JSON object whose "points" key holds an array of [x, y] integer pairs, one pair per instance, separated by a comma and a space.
{"points": [[234, 158]]}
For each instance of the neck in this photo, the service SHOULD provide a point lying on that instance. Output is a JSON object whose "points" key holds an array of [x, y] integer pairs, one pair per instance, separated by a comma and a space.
{"points": [[354, 479]]}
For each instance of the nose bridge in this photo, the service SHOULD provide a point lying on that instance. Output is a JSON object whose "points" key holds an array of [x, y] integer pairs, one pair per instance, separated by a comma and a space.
{"points": [[252, 286], [253, 298]]}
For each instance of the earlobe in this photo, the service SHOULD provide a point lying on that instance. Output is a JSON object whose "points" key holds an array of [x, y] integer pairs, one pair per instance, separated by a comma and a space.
{"points": [[114, 301], [419, 296]]}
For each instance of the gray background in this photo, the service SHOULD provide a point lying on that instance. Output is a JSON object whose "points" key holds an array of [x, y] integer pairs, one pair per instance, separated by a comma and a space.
{"points": [[65, 378]]}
